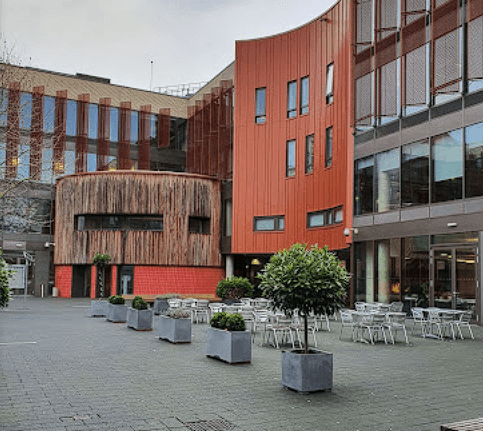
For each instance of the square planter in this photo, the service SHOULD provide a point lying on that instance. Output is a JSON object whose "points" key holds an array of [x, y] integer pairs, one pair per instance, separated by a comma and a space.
{"points": [[99, 308], [160, 306], [174, 330], [140, 320], [232, 347], [117, 313], [306, 373]]}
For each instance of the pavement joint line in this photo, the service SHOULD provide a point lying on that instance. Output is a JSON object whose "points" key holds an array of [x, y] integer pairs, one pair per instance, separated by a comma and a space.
{"points": [[18, 342]]}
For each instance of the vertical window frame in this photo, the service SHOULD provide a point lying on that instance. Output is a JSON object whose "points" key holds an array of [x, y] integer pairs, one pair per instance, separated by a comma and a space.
{"points": [[309, 154], [290, 165], [304, 95], [329, 146], [292, 99], [261, 105], [329, 84]]}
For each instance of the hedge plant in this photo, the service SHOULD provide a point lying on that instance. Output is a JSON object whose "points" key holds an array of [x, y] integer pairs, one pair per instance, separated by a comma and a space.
{"points": [[139, 303], [116, 299], [5, 275], [234, 288], [230, 322], [178, 313]]}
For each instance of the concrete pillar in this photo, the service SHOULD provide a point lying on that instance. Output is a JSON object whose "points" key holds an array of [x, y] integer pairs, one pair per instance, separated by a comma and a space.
{"points": [[383, 271], [369, 272], [229, 265]]}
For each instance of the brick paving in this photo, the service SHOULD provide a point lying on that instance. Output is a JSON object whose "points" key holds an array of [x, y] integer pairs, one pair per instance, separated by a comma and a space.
{"points": [[64, 371]]}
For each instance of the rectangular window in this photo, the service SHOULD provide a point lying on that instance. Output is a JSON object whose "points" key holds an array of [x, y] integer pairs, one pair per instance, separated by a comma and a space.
{"points": [[260, 105], [114, 124], [309, 154], [154, 223], [326, 217], [91, 162], [304, 95], [25, 111], [134, 127], [153, 133], [3, 106], [328, 147], [290, 168], [71, 126], [474, 160], [199, 225], [93, 120], [363, 185], [329, 84], [267, 224], [387, 181], [292, 99], [49, 114], [228, 217], [415, 173], [119, 222]]}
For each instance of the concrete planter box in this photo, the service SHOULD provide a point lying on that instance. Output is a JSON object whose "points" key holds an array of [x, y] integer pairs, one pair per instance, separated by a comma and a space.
{"points": [[117, 313], [307, 372], [140, 320], [160, 306], [99, 308], [174, 330], [232, 347]]}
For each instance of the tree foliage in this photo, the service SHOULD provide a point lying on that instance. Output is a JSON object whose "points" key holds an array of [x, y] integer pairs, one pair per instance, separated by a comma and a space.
{"points": [[5, 275], [234, 288]]}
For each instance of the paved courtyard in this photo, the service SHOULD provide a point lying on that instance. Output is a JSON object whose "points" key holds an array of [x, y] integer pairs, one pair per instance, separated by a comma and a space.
{"points": [[62, 370]]}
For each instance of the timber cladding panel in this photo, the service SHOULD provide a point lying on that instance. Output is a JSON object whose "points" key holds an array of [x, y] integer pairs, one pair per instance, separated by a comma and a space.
{"points": [[176, 197]]}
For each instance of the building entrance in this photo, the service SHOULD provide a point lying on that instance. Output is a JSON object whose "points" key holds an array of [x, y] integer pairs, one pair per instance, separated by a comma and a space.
{"points": [[454, 277]]}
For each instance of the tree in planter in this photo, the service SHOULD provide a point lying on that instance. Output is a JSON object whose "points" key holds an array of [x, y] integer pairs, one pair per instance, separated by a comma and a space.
{"points": [[100, 262], [234, 288], [5, 275], [307, 279]]}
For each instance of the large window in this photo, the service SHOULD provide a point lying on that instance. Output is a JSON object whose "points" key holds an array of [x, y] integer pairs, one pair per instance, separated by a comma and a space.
{"points": [[309, 154], [260, 105], [118, 222], [71, 126], [93, 120], [363, 185], [114, 124], [264, 224], [49, 114], [387, 180], [304, 95], [153, 133], [328, 146], [292, 99], [415, 173], [326, 217], [474, 160], [134, 127], [199, 225], [25, 119], [3, 106], [329, 84], [447, 162], [290, 167]]}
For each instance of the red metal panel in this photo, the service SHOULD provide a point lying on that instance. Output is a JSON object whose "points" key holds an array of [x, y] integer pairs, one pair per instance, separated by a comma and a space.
{"points": [[190, 139], [36, 134], [124, 148], [144, 136], [103, 134], [198, 136], [164, 128], [58, 160], [82, 133], [445, 18], [13, 130], [205, 150]]}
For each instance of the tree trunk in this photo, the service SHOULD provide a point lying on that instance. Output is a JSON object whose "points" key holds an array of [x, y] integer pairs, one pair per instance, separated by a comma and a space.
{"points": [[306, 334]]}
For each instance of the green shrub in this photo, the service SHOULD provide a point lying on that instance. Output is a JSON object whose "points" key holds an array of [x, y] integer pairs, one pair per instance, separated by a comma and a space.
{"points": [[218, 320], [116, 299], [139, 303], [5, 275], [235, 322], [178, 313], [101, 259], [234, 288]]}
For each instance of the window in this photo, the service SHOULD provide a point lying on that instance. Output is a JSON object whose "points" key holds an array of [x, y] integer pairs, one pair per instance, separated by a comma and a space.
{"points": [[71, 126], [25, 120], [260, 105], [134, 127], [93, 120], [114, 124], [154, 223], [329, 84], [49, 114], [3, 106], [309, 154], [199, 225], [326, 217], [304, 95], [228, 217], [91, 162], [474, 160], [290, 169], [387, 181], [267, 224], [363, 185], [118, 222], [328, 147], [153, 133], [415, 173], [292, 99]]}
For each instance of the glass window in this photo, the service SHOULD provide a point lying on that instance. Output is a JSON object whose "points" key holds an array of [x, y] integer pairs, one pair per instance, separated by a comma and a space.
{"points": [[153, 133], [69, 167], [474, 160], [154, 223], [316, 219], [114, 126], [415, 173], [23, 162], [292, 99], [49, 114], [260, 105], [25, 119], [91, 162], [276, 223], [290, 169], [3, 158], [364, 271], [328, 147], [387, 181], [415, 271], [199, 225], [228, 217], [3, 106], [447, 160], [93, 120], [388, 270], [47, 156], [71, 125], [304, 95], [339, 215], [329, 84], [134, 127], [363, 185], [309, 154]]}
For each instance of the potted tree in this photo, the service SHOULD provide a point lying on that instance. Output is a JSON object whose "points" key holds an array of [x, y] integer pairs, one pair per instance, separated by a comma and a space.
{"points": [[100, 307], [227, 338], [232, 289], [139, 315], [310, 280], [175, 326], [117, 311], [161, 303]]}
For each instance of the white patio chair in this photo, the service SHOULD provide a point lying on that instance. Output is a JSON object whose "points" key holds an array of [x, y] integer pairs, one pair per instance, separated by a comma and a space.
{"points": [[396, 307], [373, 323], [298, 327], [347, 321], [396, 322], [174, 303], [201, 311], [360, 306], [281, 328], [464, 322], [418, 317]]}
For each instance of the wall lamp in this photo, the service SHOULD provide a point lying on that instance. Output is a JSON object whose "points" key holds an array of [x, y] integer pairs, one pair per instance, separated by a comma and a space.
{"points": [[347, 231], [49, 244], [451, 224]]}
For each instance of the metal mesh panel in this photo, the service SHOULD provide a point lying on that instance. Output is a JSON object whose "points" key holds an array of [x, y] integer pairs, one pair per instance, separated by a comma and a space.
{"points": [[364, 100], [414, 77], [413, 35], [386, 50], [445, 18], [475, 49], [36, 135], [438, 3], [58, 161], [386, 16], [362, 62], [124, 145], [445, 63], [198, 136], [363, 23], [475, 9], [190, 139], [412, 10], [164, 127], [387, 89], [144, 137], [13, 129], [103, 134], [82, 133]]}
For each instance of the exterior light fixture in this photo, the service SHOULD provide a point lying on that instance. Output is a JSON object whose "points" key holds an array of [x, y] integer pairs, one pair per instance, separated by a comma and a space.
{"points": [[347, 231], [255, 262], [451, 224]]}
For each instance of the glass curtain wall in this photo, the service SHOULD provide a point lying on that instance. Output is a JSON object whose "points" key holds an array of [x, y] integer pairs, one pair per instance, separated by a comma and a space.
{"points": [[387, 181], [415, 173]]}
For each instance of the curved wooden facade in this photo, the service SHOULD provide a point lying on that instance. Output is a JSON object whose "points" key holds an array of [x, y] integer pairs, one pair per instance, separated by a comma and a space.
{"points": [[261, 187], [176, 197]]}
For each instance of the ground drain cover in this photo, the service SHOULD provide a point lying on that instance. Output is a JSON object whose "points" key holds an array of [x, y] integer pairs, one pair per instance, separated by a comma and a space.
{"points": [[216, 425]]}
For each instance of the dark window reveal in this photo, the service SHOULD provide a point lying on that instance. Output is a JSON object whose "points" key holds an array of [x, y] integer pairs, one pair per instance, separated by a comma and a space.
{"points": [[199, 225]]}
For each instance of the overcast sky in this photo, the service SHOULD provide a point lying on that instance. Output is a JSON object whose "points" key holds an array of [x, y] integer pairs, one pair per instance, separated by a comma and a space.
{"points": [[188, 41]]}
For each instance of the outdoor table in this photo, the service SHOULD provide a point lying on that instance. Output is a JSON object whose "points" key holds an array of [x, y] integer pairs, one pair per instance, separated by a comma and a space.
{"points": [[470, 425], [440, 312]]}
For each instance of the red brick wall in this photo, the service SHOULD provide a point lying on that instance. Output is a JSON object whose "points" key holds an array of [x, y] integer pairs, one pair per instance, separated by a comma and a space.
{"points": [[93, 281], [63, 280], [154, 280]]}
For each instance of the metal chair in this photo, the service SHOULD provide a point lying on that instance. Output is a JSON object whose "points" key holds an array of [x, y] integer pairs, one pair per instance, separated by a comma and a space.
{"points": [[396, 322], [464, 322], [347, 321], [418, 317]]}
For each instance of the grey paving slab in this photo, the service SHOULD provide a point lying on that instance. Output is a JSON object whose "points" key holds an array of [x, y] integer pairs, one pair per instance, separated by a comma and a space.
{"points": [[63, 370]]}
